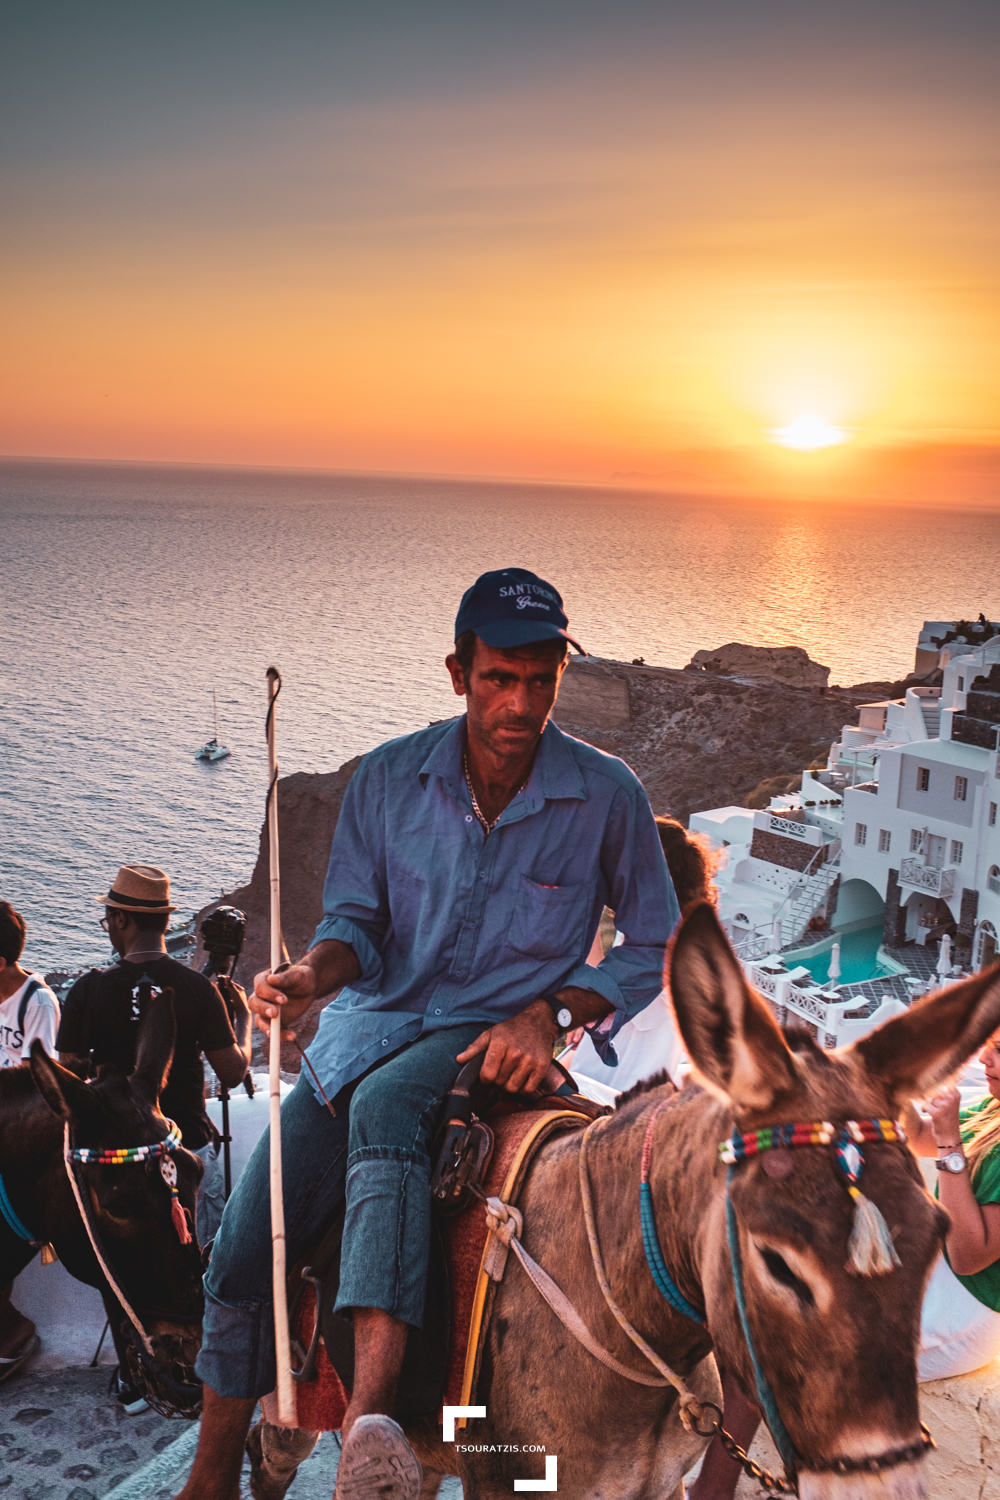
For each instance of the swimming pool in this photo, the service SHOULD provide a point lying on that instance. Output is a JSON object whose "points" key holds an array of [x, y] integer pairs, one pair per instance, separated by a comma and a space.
{"points": [[858, 957]]}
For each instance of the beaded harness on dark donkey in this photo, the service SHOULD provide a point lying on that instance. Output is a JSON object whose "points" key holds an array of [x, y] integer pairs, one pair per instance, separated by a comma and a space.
{"points": [[166, 1393]]}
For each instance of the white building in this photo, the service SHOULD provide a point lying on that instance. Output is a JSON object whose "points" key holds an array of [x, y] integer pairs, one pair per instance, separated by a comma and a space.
{"points": [[922, 834], [899, 833]]}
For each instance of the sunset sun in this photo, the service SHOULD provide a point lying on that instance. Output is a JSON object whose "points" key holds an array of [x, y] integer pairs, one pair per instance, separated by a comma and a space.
{"points": [[809, 432]]}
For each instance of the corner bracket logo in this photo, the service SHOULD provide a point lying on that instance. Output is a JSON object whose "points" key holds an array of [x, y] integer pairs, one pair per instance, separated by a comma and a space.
{"points": [[549, 1484]]}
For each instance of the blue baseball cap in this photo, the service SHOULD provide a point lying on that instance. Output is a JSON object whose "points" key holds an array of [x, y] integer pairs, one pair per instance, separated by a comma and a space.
{"points": [[512, 607]]}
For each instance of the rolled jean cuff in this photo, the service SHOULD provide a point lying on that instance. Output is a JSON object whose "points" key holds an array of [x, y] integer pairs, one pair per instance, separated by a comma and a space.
{"points": [[387, 1232], [236, 1357]]}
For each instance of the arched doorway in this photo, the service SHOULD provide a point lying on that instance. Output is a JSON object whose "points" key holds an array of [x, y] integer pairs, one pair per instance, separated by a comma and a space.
{"points": [[985, 948], [858, 905]]}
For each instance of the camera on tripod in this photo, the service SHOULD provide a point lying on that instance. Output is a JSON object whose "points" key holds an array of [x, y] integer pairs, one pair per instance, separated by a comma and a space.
{"points": [[222, 933]]}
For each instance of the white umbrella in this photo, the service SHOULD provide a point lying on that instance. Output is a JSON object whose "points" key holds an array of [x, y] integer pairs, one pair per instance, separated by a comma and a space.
{"points": [[834, 969], [944, 957]]}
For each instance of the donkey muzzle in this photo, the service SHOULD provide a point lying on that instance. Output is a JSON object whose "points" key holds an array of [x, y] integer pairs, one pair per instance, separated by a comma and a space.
{"points": [[167, 1379]]}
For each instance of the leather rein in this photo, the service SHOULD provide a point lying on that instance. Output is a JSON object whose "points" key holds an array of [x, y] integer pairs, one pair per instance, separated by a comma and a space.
{"points": [[505, 1222], [120, 1157]]}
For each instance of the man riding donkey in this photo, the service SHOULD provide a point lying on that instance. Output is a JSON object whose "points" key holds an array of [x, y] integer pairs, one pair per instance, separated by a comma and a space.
{"points": [[469, 868]]}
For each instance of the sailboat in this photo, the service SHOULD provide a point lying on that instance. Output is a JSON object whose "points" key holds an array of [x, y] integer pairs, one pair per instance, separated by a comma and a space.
{"points": [[211, 749]]}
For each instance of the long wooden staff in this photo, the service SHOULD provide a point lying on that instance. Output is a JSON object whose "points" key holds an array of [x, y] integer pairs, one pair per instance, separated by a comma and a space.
{"points": [[282, 1347]]}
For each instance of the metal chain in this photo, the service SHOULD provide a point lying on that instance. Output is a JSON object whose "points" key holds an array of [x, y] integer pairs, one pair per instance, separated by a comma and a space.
{"points": [[488, 824], [789, 1486], [763, 1477], [879, 1461]]}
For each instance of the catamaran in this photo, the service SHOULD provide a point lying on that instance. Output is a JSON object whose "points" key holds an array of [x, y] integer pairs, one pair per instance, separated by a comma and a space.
{"points": [[211, 749]]}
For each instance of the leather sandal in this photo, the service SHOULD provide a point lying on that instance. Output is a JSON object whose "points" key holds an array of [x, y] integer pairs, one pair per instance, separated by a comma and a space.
{"points": [[275, 1456], [377, 1463]]}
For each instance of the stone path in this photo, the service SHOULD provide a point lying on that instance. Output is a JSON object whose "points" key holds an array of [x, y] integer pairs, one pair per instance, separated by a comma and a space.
{"points": [[63, 1437]]}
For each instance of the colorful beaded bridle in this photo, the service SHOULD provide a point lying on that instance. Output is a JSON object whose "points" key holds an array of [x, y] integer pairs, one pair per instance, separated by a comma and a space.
{"points": [[126, 1156], [870, 1253], [870, 1248], [738, 1147], [120, 1156]]}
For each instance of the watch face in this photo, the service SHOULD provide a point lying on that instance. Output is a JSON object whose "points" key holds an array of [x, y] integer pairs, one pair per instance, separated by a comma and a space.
{"points": [[953, 1161], [564, 1018]]}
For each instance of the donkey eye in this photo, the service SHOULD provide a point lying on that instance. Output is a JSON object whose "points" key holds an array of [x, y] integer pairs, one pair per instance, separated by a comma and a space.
{"points": [[123, 1203], [783, 1273]]}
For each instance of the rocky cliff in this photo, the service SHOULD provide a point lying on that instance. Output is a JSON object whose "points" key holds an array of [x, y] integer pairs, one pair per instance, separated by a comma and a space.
{"points": [[789, 664], [700, 739], [696, 739]]}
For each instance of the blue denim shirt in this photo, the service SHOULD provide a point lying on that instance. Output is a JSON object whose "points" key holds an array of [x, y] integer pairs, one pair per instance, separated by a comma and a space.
{"points": [[451, 926]]}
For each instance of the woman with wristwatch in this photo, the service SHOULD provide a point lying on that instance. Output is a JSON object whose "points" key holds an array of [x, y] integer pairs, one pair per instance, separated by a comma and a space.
{"points": [[960, 1323]]}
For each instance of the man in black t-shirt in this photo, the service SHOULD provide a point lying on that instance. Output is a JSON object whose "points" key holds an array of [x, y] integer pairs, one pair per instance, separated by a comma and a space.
{"points": [[102, 1011]]}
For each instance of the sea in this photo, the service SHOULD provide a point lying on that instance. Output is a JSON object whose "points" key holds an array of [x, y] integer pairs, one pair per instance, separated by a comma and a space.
{"points": [[133, 594]]}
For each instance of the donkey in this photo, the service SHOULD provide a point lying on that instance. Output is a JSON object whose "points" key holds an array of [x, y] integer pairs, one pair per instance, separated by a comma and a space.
{"points": [[122, 1226], [800, 1268]]}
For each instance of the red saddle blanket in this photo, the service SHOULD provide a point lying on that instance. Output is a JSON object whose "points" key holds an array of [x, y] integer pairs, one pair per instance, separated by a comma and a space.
{"points": [[320, 1404]]}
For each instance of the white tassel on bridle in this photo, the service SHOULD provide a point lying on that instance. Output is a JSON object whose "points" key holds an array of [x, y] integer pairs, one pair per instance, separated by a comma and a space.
{"points": [[870, 1251]]}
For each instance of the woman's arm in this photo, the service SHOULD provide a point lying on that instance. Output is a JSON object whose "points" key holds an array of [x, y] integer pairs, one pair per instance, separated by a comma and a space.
{"points": [[973, 1240]]}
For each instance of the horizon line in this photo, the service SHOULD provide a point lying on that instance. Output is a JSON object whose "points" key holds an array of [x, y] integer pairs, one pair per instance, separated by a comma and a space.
{"points": [[617, 483]]}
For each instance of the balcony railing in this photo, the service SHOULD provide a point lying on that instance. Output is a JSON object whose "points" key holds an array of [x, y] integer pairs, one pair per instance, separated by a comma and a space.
{"points": [[926, 878], [813, 1007]]}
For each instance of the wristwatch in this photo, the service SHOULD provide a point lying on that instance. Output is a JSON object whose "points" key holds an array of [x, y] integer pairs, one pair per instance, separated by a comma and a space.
{"points": [[562, 1013], [951, 1160]]}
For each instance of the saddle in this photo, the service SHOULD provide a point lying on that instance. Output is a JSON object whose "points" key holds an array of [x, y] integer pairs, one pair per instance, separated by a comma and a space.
{"points": [[484, 1144]]}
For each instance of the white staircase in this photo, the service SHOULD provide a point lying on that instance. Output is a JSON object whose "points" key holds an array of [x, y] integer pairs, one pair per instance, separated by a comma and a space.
{"points": [[931, 710], [803, 901], [791, 918]]}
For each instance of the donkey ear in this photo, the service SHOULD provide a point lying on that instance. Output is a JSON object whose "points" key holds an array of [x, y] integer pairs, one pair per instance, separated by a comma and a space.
{"points": [[67, 1096], [154, 1049], [730, 1034], [915, 1052]]}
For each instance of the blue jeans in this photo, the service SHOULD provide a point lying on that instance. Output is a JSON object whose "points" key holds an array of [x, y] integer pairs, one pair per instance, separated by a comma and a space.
{"points": [[375, 1155], [211, 1192]]}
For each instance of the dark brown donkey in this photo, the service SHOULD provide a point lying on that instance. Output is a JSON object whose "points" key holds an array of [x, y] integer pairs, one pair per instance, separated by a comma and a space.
{"points": [[113, 1226], [833, 1263]]}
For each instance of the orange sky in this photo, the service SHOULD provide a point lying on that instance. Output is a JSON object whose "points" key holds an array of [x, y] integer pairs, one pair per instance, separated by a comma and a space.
{"points": [[542, 248]]}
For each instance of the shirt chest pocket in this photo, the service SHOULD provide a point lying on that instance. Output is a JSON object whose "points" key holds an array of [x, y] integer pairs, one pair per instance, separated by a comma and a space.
{"points": [[548, 920], [408, 906]]}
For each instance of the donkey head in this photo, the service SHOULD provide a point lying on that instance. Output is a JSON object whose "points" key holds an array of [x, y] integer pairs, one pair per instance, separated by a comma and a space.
{"points": [[140, 1213], [834, 1335]]}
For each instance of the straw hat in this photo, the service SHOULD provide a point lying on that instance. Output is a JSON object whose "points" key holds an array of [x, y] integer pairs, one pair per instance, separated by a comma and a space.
{"points": [[139, 888]]}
